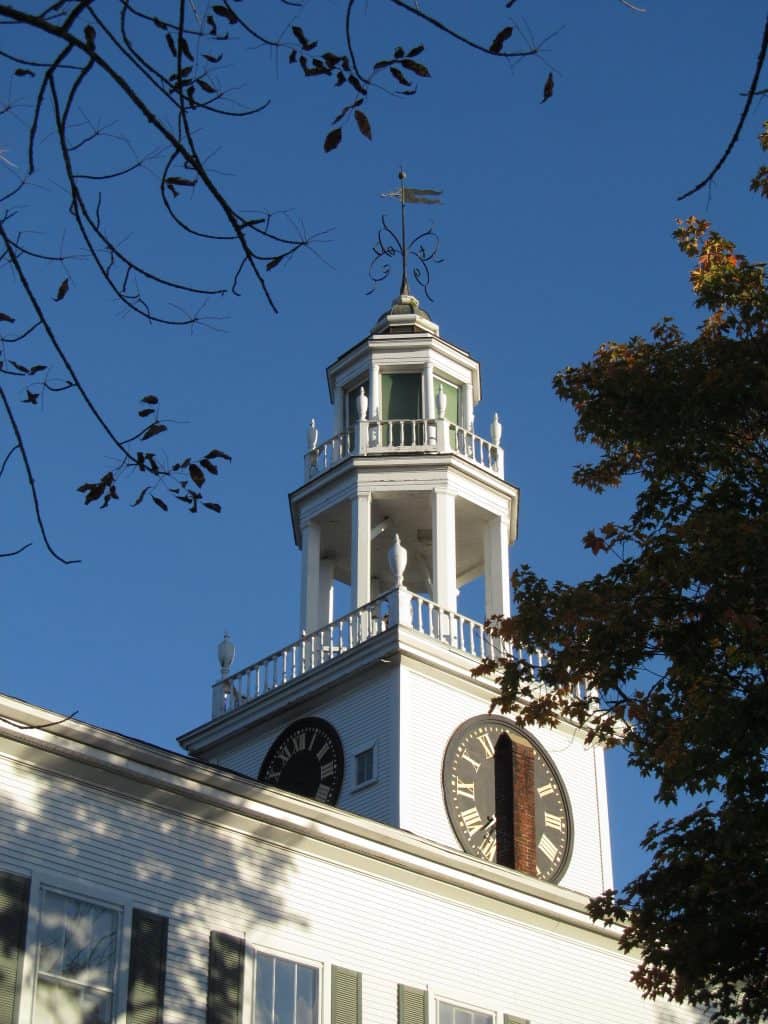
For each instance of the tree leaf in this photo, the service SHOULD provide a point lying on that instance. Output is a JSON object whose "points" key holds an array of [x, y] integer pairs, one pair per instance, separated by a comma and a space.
{"points": [[196, 475], [140, 498], [499, 40], [332, 139], [212, 505], [209, 466], [363, 124], [418, 69], [549, 87], [216, 454], [160, 503], [152, 430], [63, 289], [150, 399], [6, 318]]}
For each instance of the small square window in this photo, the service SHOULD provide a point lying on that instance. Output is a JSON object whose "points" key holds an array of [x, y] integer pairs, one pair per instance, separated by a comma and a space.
{"points": [[286, 991], [365, 766]]}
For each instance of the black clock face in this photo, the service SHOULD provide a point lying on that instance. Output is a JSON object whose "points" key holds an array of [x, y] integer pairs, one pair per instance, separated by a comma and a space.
{"points": [[306, 759], [470, 791]]}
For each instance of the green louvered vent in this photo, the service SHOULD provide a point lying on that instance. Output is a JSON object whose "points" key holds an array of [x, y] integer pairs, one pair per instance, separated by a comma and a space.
{"points": [[14, 903], [146, 968], [511, 1019], [226, 955], [411, 1005], [346, 996]]}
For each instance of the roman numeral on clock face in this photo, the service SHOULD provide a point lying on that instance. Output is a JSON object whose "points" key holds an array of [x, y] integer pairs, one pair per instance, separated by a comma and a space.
{"points": [[471, 820], [547, 847], [485, 742], [466, 789]]}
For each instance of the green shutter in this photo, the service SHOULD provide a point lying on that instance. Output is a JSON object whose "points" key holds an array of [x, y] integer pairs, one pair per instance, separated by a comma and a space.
{"points": [[226, 956], [511, 1019], [346, 996], [412, 1007], [146, 968], [14, 904]]}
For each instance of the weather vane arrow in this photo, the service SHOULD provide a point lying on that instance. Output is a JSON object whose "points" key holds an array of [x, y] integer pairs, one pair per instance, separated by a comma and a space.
{"points": [[428, 196]]}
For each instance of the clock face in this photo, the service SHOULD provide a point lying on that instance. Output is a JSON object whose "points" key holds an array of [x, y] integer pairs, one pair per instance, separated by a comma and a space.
{"points": [[470, 791], [306, 759]]}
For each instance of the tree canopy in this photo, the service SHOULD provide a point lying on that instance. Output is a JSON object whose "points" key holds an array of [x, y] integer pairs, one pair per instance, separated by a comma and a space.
{"points": [[672, 636]]}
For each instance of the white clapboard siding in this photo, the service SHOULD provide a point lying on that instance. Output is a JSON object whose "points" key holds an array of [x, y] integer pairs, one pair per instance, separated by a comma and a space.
{"points": [[206, 873]]}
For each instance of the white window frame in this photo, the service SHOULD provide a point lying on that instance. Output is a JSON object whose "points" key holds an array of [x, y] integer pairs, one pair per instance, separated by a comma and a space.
{"points": [[459, 1004], [281, 954], [363, 749], [75, 889]]}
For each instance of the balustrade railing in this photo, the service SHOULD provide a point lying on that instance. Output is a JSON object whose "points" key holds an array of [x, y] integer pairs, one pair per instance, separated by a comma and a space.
{"points": [[447, 627], [404, 435]]}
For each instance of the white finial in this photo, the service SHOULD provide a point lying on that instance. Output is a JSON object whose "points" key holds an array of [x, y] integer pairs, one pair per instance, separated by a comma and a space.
{"points": [[442, 403], [311, 436], [361, 404], [226, 652], [495, 430], [397, 557]]}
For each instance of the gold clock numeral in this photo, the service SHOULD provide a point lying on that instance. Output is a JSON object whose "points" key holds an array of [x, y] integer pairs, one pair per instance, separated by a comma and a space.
{"points": [[471, 820], [554, 821], [485, 742], [466, 789], [546, 790], [465, 757], [548, 848], [487, 848]]}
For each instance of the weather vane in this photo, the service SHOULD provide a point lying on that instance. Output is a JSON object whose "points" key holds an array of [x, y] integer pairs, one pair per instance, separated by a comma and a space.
{"points": [[422, 248]]}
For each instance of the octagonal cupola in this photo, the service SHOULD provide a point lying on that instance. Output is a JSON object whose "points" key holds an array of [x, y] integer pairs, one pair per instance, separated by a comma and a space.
{"points": [[403, 458]]}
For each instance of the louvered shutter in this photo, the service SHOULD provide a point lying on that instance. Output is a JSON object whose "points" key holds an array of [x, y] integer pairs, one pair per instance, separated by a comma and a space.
{"points": [[146, 968], [14, 905], [226, 957], [346, 996], [511, 1019], [411, 1005]]}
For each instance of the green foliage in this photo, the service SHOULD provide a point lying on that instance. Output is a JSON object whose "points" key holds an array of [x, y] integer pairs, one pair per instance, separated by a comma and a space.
{"points": [[672, 637]]}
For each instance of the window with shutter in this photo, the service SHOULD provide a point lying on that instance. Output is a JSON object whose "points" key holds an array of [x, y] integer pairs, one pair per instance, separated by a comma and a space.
{"points": [[449, 1013], [76, 963], [14, 906], [412, 1007], [146, 968], [346, 996], [286, 991], [226, 955]]}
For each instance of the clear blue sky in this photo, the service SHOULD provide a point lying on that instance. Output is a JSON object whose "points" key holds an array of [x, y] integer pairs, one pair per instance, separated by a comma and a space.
{"points": [[556, 236]]}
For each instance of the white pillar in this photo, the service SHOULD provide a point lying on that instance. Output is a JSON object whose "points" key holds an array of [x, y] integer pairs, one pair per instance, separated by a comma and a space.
{"points": [[310, 577], [444, 549], [374, 393], [469, 414], [340, 412], [496, 551], [360, 557], [325, 590], [429, 392]]}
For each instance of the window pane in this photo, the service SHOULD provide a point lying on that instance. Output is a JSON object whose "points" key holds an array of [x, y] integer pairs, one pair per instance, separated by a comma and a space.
{"points": [[78, 942], [448, 1013], [306, 995], [451, 392], [60, 1003], [285, 992], [265, 986], [400, 396], [364, 766]]}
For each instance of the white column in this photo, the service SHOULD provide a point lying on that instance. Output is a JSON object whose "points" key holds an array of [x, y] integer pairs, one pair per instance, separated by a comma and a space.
{"points": [[325, 590], [339, 410], [360, 557], [310, 577], [429, 392], [374, 393], [444, 549], [496, 551], [469, 416]]}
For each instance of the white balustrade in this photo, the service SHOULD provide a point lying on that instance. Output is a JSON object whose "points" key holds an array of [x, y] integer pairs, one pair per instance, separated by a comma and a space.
{"points": [[408, 435], [401, 607]]}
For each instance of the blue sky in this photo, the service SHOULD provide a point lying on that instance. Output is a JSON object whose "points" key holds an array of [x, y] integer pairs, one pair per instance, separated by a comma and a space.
{"points": [[555, 233]]}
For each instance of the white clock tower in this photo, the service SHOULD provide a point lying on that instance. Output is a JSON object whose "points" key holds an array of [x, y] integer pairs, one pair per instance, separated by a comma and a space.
{"points": [[376, 710]]}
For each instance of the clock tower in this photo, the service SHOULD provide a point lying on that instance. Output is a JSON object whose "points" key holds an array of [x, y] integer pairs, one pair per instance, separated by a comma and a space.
{"points": [[374, 707]]}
